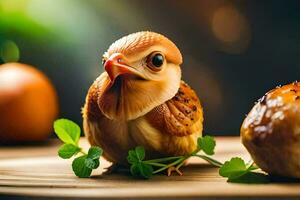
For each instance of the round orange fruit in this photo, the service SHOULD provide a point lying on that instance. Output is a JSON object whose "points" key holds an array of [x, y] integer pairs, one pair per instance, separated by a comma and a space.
{"points": [[28, 104]]}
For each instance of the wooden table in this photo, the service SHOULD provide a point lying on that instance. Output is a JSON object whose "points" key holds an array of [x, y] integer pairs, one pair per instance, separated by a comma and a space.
{"points": [[36, 172]]}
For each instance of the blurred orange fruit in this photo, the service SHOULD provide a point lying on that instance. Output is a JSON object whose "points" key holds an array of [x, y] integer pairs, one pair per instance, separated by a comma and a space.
{"points": [[28, 104]]}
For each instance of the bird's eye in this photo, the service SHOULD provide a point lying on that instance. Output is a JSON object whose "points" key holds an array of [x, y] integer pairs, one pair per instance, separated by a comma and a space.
{"points": [[155, 61]]}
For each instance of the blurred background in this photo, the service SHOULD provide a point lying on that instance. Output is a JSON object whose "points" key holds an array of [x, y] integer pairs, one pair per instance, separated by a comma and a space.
{"points": [[234, 51]]}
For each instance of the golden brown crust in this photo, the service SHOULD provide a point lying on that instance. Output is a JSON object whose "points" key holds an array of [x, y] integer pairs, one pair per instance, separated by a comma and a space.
{"points": [[271, 131], [272, 120], [180, 116]]}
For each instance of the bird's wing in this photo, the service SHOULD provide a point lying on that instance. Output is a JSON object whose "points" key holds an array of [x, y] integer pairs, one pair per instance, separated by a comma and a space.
{"points": [[180, 116], [91, 109], [90, 112]]}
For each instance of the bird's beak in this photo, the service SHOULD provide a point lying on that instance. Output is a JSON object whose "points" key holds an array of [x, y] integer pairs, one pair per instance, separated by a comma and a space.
{"points": [[116, 65]]}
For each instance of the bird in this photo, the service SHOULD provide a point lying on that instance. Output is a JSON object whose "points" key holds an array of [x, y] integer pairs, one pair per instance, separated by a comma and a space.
{"points": [[140, 100]]}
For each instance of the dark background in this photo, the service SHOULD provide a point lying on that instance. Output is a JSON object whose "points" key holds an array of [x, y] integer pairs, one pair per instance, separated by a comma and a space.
{"points": [[234, 51]]}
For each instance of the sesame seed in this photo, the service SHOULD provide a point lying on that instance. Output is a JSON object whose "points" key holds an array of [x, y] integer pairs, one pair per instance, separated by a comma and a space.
{"points": [[263, 100]]}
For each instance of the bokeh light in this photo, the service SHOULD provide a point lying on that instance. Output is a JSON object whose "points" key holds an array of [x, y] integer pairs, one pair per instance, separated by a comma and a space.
{"points": [[9, 51], [231, 28]]}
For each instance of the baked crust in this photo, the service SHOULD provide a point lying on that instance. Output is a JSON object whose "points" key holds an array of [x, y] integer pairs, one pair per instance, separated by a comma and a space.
{"points": [[271, 131]]}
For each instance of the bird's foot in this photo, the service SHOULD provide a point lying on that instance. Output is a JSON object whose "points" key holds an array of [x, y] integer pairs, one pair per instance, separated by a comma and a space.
{"points": [[174, 169]]}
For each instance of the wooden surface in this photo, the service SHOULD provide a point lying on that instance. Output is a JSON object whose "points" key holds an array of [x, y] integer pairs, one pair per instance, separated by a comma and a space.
{"points": [[37, 172]]}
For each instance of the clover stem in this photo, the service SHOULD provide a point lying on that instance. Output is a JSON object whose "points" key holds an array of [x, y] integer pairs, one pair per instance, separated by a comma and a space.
{"points": [[156, 164], [162, 159], [171, 164], [210, 160], [83, 152], [195, 152], [180, 164]]}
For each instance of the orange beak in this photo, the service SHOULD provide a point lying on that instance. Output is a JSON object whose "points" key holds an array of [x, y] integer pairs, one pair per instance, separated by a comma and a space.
{"points": [[117, 65]]}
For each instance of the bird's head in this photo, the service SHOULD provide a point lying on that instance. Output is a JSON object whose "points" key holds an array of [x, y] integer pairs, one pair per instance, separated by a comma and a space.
{"points": [[141, 72]]}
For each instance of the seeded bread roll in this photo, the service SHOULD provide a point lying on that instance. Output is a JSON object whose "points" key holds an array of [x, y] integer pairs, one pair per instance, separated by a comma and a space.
{"points": [[271, 131]]}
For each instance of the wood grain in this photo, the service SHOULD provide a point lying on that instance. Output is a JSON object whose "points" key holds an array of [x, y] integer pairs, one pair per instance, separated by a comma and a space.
{"points": [[37, 172]]}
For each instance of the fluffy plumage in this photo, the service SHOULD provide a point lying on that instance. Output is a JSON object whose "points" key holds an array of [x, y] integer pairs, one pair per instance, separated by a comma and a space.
{"points": [[139, 102]]}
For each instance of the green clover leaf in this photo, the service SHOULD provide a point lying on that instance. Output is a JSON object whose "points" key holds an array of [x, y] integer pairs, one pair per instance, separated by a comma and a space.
{"points": [[68, 150], [234, 168], [67, 131], [207, 144], [140, 152], [145, 170], [138, 167], [94, 152], [136, 155], [79, 167]]}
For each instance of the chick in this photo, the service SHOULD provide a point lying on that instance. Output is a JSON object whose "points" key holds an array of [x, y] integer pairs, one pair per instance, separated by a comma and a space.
{"points": [[140, 100]]}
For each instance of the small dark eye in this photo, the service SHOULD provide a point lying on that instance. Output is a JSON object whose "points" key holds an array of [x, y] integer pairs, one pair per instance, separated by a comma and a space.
{"points": [[157, 60]]}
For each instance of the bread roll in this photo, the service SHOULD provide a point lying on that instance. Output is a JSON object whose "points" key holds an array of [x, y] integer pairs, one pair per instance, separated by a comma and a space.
{"points": [[271, 131]]}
